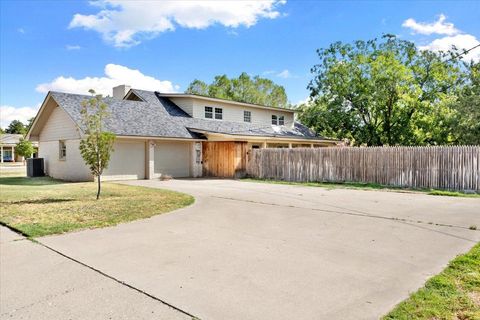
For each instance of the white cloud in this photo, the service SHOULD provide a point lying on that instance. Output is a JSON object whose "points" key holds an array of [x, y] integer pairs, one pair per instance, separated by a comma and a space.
{"points": [[232, 32], [284, 74], [454, 37], [460, 41], [114, 75], [72, 47], [21, 30], [125, 23], [438, 27], [9, 113]]}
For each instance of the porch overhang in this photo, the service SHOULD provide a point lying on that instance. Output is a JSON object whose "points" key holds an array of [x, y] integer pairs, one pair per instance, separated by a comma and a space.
{"points": [[217, 136]]}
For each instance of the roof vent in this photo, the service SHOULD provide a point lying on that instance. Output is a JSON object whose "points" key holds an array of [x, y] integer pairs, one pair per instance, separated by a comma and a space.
{"points": [[120, 91]]}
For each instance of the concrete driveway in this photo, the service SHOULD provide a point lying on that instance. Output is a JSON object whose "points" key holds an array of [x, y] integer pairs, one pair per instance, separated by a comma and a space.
{"points": [[261, 251], [37, 283]]}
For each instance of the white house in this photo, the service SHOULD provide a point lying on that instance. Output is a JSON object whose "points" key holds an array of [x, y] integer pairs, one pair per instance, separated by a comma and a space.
{"points": [[179, 135]]}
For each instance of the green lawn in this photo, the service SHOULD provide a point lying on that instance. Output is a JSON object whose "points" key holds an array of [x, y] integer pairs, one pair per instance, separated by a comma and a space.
{"points": [[43, 206], [453, 294], [366, 186]]}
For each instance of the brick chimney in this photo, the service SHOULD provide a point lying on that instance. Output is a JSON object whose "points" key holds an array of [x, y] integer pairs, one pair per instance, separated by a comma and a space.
{"points": [[120, 91]]}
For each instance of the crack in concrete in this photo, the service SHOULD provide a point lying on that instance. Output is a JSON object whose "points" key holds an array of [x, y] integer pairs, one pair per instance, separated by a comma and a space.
{"points": [[101, 273], [336, 207], [361, 214], [120, 281]]}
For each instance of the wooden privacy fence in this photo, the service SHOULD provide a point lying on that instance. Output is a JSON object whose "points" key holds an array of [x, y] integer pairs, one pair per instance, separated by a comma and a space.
{"points": [[449, 168]]}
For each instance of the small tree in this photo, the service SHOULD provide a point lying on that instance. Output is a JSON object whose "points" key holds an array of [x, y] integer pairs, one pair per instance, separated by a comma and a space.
{"points": [[24, 148], [97, 145]]}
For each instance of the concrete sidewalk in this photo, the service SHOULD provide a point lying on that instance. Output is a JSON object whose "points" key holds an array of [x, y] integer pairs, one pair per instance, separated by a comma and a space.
{"points": [[262, 251], [37, 283]]}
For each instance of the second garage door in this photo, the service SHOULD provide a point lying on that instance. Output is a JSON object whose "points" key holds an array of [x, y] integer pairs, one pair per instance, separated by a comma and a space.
{"points": [[172, 158], [127, 161]]}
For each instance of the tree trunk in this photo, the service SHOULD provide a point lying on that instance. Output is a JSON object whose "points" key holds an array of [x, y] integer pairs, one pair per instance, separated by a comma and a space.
{"points": [[99, 187]]}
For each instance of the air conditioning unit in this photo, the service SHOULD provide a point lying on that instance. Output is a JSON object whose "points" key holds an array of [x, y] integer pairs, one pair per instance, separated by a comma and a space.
{"points": [[35, 167]]}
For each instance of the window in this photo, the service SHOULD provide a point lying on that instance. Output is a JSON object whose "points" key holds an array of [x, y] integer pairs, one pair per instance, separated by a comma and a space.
{"points": [[274, 119], [209, 112], [62, 150], [247, 116], [218, 113], [278, 120]]}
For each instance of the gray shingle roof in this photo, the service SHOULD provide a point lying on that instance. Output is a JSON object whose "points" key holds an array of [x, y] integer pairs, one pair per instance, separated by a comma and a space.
{"points": [[10, 138], [129, 118], [158, 116]]}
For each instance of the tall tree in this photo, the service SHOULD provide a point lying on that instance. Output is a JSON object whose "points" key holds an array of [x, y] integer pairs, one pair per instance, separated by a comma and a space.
{"points": [[198, 87], [16, 127], [466, 120], [244, 88], [96, 145], [383, 92]]}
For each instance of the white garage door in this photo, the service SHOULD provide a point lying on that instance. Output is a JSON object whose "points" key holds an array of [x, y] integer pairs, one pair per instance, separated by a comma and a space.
{"points": [[127, 161], [172, 158]]}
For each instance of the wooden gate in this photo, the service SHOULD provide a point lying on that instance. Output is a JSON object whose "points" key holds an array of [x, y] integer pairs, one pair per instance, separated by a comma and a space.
{"points": [[224, 159]]}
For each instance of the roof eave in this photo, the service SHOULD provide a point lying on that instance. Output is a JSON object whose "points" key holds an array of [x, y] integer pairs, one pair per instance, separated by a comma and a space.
{"points": [[157, 137], [196, 96], [263, 137], [37, 116]]}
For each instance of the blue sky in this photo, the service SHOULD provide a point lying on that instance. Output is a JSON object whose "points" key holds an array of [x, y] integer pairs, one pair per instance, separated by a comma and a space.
{"points": [[72, 45]]}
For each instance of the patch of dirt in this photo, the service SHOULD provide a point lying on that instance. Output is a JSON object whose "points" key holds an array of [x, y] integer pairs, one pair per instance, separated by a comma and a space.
{"points": [[475, 297], [461, 316]]}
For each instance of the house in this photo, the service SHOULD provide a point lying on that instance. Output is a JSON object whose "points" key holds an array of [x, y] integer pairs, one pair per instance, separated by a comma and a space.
{"points": [[7, 147], [165, 134]]}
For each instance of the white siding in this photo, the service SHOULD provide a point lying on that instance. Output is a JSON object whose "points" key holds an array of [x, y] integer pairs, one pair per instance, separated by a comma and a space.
{"points": [[127, 161], [71, 169], [232, 112], [173, 158], [186, 104], [59, 126]]}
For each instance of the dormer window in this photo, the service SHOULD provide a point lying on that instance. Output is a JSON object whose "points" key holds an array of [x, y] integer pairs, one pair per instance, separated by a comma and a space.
{"points": [[208, 112], [218, 113], [278, 120], [274, 120], [247, 116]]}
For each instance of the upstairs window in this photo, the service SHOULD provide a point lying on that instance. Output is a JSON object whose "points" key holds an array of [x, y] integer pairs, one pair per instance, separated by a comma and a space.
{"points": [[274, 120], [247, 116], [62, 150], [218, 113], [208, 112], [278, 120]]}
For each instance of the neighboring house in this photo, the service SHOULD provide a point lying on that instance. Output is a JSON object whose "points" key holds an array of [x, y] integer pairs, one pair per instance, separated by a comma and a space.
{"points": [[177, 135], [7, 147]]}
